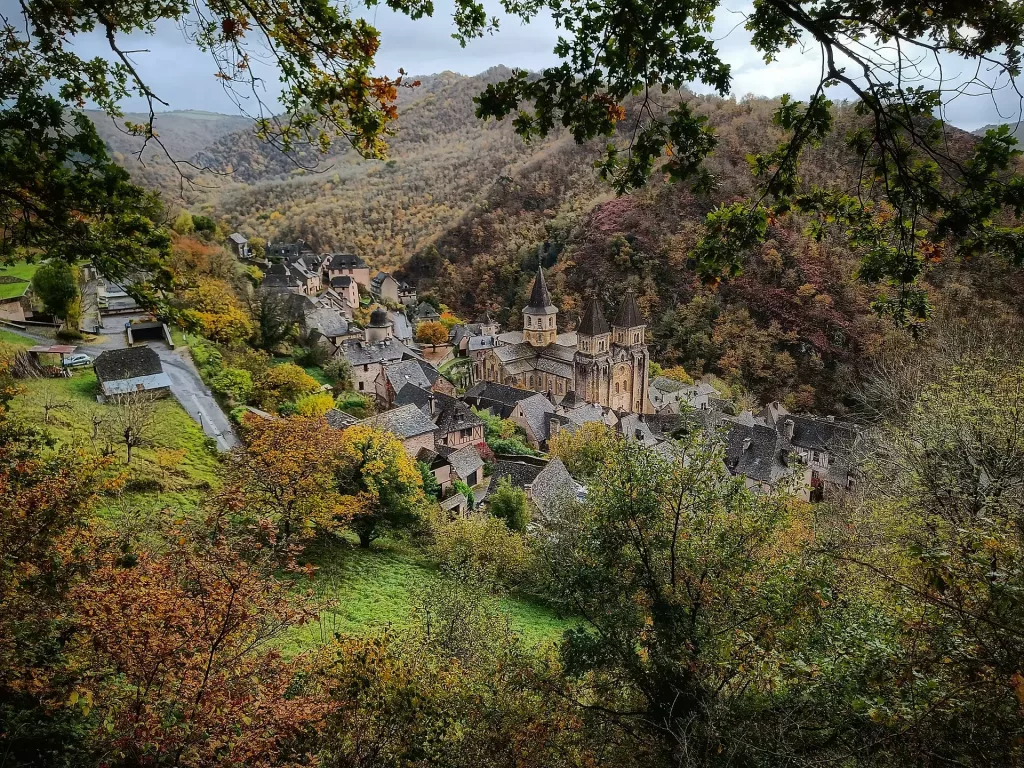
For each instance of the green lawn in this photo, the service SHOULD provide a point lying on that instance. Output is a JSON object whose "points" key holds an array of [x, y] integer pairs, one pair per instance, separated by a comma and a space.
{"points": [[374, 588], [6, 337], [21, 270], [180, 486]]}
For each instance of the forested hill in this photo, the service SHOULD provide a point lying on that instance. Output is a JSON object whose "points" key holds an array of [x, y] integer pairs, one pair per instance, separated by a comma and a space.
{"points": [[467, 209]]}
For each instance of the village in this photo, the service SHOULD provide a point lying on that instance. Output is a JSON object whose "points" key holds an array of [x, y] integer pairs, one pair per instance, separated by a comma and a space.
{"points": [[544, 378]]}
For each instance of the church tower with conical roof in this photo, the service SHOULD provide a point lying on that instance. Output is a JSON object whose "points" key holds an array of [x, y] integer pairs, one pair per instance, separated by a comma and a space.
{"points": [[540, 316], [630, 359], [593, 354]]}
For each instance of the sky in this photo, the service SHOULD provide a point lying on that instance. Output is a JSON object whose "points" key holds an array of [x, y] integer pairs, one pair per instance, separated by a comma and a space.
{"points": [[183, 76]]}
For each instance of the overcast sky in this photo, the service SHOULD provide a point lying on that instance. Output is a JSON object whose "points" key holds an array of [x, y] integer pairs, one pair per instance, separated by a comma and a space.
{"points": [[183, 75]]}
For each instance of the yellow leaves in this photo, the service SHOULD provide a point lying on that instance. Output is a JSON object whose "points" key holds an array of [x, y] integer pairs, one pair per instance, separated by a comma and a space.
{"points": [[1017, 681]]}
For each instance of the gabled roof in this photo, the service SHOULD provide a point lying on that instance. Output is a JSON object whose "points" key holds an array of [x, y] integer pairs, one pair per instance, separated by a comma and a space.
{"points": [[488, 394], [417, 372], [755, 452], [341, 281], [345, 261], [339, 419], [448, 413], [818, 434], [540, 297], [426, 310], [593, 322], [465, 461], [238, 238], [365, 353], [328, 322], [665, 384], [404, 422], [553, 487], [519, 473], [629, 313], [129, 363], [378, 280], [535, 410]]}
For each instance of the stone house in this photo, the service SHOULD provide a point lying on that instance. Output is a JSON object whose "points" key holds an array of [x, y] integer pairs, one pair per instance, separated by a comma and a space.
{"points": [[409, 425], [384, 287], [346, 265], [239, 245], [457, 425]]}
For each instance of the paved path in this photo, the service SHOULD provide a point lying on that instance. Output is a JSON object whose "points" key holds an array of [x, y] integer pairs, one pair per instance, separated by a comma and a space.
{"points": [[186, 386]]}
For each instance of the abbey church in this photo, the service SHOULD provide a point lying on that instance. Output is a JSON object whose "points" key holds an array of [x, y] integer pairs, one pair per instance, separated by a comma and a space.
{"points": [[599, 363]]}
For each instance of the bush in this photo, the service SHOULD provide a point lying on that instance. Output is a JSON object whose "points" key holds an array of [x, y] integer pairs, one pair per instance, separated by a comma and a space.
{"points": [[283, 383], [509, 503], [287, 409], [339, 370], [143, 485], [354, 404], [315, 404], [233, 383], [312, 356], [206, 355], [69, 334], [482, 549]]}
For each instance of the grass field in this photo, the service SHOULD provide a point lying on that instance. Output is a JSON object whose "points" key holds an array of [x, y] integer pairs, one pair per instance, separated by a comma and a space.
{"points": [[178, 486], [371, 589], [6, 337], [21, 270]]}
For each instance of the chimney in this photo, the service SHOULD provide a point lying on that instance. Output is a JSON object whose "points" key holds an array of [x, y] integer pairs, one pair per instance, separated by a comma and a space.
{"points": [[746, 444], [789, 426], [433, 404], [638, 434]]}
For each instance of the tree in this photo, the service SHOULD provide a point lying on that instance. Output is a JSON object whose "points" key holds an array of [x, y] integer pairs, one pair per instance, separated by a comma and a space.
{"points": [[585, 450], [210, 306], [183, 224], [46, 493], [508, 503], [432, 333], [284, 383], [285, 474], [233, 383], [678, 373], [179, 650], [339, 370], [481, 549], [431, 488], [56, 284], [691, 590], [271, 319], [132, 421], [379, 483]]}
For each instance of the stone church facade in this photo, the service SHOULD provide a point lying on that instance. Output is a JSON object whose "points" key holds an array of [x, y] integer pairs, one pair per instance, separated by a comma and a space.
{"points": [[601, 363]]}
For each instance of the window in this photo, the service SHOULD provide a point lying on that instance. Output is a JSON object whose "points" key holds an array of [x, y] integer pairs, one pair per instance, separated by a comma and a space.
{"points": [[464, 433], [616, 388], [361, 386], [551, 322], [366, 368], [531, 379], [528, 321], [559, 386]]}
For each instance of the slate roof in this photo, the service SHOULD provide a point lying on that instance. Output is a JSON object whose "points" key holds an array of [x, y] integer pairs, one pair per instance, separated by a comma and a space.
{"points": [[535, 410], [633, 427], [552, 487], [400, 326], [345, 261], [476, 343], [465, 461], [819, 434], [328, 322], [593, 322], [499, 397], [404, 422], [417, 372], [431, 458], [129, 363], [238, 238], [426, 311], [511, 337], [378, 280], [629, 313], [540, 297], [364, 353], [665, 384], [519, 473], [554, 367], [449, 414], [341, 281], [755, 452], [339, 419]]}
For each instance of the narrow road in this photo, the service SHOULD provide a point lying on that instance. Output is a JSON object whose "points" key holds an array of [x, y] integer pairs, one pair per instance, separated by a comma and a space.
{"points": [[186, 386]]}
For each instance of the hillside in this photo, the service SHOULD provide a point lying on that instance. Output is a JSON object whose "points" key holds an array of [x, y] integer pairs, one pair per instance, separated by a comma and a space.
{"points": [[467, 209], [183, 132]]}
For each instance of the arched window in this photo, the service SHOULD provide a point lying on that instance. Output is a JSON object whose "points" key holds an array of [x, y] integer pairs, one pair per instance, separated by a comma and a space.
{"points": [[551, 322], [616, 387], [531, 379], [527, 321]]}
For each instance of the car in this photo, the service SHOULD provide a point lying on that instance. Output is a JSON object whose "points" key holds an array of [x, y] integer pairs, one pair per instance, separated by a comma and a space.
{"points": [[77, 360]]}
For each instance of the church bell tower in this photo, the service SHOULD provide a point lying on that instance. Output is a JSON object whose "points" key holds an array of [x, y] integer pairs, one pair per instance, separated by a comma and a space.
{"points": [[540, 316]]}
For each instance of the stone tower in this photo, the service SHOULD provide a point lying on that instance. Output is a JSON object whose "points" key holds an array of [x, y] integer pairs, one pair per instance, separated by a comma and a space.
{"points": [[630, 358], [593, 354], [540, 316], [379, 328]]}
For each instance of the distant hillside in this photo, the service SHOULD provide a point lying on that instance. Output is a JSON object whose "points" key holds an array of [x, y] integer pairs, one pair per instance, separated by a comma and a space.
{"points": [[1017, 129], [183, 132]]}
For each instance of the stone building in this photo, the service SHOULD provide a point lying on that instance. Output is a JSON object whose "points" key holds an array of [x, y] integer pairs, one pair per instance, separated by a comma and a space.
{"points": [[600, 363]]}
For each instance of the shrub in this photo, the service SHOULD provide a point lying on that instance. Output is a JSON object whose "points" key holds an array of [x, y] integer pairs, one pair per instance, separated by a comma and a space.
{"points": [[483, 549], [284, 383], [314, 355], [68, 333], [508, 503], [339, 370], [354, 404], [233, 383], [314, 404]]}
